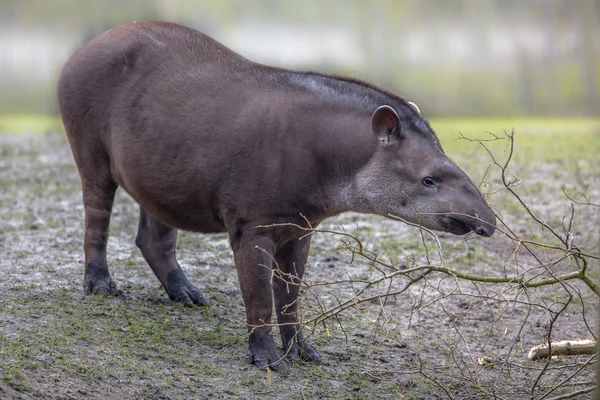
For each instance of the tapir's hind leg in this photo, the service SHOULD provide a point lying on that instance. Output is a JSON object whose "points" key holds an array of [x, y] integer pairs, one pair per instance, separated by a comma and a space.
{"points": [[98, 196], [157, 242]]}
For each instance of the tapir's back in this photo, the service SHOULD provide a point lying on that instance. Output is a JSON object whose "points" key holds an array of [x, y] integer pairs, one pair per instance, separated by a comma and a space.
{"points": [[139, 58]]}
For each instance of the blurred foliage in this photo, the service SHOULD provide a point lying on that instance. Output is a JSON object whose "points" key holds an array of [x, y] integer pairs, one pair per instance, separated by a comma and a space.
{"points": [[452, 57]]}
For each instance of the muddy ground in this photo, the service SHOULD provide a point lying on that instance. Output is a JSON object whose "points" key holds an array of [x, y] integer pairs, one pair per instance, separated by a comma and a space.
{"points": [[443, 337]]}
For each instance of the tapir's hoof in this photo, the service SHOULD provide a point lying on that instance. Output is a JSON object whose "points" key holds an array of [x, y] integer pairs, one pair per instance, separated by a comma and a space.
{"points": [[182, 291], [264, 354], [303, 351], [98, 281], [189, 296]]}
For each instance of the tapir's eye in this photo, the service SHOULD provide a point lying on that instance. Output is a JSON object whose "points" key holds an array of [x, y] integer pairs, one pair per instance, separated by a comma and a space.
{"points": [[428, 181]]}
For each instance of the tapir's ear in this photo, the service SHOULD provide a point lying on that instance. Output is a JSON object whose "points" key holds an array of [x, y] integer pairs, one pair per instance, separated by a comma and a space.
{"points": [[386, 125], [415, 107]]}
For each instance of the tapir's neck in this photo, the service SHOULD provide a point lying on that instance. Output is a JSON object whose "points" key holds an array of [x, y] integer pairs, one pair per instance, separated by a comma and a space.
{"points": [[352, 148], [342, 144]]}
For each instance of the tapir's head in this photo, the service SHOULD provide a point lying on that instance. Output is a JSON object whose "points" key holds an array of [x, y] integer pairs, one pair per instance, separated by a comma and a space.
{"points": [[410, 176]]}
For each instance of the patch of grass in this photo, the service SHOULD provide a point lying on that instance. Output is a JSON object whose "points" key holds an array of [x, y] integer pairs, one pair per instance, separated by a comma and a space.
{"points": [[133, 331], [15, 377], [18, 124], [223, 336], [536, 139], [128, 262]]}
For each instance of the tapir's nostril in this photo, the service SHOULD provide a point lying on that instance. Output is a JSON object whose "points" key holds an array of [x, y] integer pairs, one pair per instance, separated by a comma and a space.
{"points": [[482, 231], [485, 230]]}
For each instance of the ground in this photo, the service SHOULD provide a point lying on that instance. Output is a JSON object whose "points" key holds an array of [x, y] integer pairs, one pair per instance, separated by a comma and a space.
{"points": [[440, 337]]}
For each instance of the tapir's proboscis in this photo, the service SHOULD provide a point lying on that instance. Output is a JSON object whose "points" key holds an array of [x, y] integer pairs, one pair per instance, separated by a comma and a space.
{"points": [[207, 141]]}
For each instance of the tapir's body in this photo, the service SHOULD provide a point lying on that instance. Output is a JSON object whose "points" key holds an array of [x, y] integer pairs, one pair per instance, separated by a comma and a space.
{"points": [[208, 141]]}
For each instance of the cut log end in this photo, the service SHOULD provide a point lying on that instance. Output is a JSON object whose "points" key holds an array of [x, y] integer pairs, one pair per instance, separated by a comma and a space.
{"points": [[563, 348]]}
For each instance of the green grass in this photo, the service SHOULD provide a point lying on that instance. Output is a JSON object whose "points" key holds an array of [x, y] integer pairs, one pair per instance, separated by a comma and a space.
{"points": [[134, 330], [18, 124], [536, 139]]}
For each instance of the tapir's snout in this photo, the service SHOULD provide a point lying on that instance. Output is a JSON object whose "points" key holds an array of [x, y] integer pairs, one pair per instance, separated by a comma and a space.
{"points": [[477, 216], [485, 225], [482, 223], [485, 230]]}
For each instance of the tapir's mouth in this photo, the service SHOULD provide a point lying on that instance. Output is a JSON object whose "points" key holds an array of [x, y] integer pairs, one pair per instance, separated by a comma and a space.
{"points": [[459, 225], [456, 226]]}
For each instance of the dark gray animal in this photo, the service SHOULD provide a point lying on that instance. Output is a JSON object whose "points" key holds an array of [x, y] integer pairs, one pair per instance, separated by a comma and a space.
{"points": [[208, 141]]}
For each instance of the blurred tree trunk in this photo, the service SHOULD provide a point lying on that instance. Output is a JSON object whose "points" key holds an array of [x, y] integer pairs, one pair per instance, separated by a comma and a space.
{"points": [[589, 18], [525, 82], [550, 79]]}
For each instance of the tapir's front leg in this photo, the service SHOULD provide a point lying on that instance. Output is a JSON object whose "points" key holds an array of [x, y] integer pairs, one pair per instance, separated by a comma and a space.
{"points": [[253, 260], [291, 260]]}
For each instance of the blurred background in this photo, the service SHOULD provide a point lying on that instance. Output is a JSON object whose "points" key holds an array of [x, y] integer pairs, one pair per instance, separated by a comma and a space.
{"points": [[505, 58]]}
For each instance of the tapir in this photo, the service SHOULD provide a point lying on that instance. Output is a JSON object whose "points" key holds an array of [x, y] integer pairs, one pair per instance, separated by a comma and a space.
{"points": [[205, 140]]}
